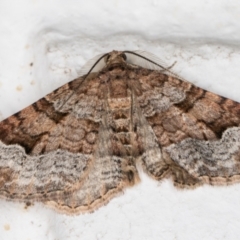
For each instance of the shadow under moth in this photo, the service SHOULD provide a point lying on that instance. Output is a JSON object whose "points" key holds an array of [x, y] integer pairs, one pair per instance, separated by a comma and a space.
{"points": [[78, 147]]}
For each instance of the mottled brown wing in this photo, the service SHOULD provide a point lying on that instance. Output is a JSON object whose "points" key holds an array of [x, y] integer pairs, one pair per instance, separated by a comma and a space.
{"points": [[47, 148], [67, 150], [197, 131]]}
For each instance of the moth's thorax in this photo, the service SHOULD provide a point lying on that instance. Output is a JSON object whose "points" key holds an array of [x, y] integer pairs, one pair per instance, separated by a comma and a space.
{"points": [[119, 101], [123, 134], [121, 119], [115, 81], [115, 57]]}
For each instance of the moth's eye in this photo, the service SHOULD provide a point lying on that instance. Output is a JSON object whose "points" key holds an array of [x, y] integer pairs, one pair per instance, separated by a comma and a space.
{"points": [[124, 56], [106, 58]]}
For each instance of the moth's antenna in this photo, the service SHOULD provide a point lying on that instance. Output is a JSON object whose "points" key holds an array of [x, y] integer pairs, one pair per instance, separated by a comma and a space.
{"points": [[150, 63], [148, 59], [95, 64], [90, 70]]}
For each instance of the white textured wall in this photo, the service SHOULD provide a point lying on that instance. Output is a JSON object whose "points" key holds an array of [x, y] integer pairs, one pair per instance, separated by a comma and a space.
{"points": [[58, 37]]}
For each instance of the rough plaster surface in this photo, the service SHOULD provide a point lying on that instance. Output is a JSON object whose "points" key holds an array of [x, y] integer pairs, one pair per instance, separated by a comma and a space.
{"points": [[45, 43]]}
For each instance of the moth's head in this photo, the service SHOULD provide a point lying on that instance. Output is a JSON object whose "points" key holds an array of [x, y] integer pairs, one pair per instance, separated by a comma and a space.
{"points": [[115, 57]]}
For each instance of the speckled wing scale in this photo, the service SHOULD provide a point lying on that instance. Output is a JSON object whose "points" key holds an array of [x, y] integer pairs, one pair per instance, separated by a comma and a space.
{"points": [[78, 147]]}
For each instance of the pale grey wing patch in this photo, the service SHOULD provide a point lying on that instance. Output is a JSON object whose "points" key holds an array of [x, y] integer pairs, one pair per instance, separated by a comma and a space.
{"points": [[25, 177], [88, 108], [211, 161], [108, 177], [80, 105], [160, 99]]}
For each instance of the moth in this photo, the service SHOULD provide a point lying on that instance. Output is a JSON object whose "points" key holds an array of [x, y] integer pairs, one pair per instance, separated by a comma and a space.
{"points": [[79, 146]]}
